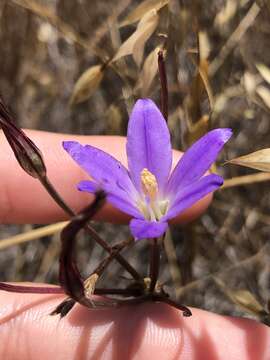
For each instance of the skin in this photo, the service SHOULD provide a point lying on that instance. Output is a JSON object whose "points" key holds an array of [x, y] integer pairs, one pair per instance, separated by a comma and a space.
{"points": [[138, 332], [19, 191]]}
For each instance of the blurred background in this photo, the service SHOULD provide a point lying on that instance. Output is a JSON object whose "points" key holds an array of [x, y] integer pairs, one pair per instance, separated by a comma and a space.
{"points": [[77, 66]]}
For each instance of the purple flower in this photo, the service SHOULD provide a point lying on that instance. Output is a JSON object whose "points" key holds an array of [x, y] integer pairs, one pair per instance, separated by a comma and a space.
{"points": [[147, 190]]}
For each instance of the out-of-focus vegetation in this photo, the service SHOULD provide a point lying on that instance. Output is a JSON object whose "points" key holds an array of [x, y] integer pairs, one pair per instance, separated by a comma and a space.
{"points": [[77, 66]]}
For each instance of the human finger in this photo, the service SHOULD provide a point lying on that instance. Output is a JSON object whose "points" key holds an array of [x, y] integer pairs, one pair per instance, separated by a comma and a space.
{"points": [[133, 332], [24, 200]]}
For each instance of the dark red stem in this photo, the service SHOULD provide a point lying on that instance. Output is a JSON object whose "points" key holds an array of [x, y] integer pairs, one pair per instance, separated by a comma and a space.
{"points": [[164, 86]]}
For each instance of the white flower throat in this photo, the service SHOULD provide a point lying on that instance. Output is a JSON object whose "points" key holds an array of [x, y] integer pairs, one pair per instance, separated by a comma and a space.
{"points": [[150, 204]]}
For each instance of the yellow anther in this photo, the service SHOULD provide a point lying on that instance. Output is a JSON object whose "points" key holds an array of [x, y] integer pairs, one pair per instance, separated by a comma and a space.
{"points": [[149, 183]]}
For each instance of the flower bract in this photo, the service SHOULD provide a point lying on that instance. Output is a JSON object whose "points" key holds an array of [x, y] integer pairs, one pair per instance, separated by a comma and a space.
{"points": [[149, 190]]}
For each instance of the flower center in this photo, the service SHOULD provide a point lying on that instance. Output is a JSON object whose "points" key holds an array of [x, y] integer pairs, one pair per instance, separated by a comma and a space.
{"points": [[149, 184], [152, 207]]}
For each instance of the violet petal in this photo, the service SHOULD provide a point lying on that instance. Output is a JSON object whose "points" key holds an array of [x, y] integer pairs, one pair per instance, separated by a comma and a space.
{"points": [[198, 159], [192, 193], [88, 186], [115, 196], [148, 143], [143, 229], [124, 205], [102, 167]]}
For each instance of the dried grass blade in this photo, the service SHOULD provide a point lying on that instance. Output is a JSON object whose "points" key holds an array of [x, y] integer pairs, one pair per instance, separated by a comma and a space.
{"points": [[234, 39], [245, 180], [32, 235], [259, 160], [135, 43], [87, 84], [147, 5]]}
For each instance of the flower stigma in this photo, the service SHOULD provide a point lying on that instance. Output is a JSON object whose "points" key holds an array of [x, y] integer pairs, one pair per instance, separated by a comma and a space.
{"points": [[150, 205]]}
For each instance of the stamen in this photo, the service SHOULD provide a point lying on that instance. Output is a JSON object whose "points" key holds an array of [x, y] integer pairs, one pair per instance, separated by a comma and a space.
{"points": [[150, 203], [164, 205], [149, 184]]}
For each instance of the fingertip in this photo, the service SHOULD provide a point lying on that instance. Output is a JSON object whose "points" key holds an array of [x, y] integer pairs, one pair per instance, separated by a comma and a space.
{"points": [[131, 332], [213, 336]]}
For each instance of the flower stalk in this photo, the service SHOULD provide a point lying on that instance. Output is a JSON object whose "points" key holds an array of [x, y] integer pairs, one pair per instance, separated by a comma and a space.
{"points": [[31, 289], [154, 263], [164, 95], [114, 252]]}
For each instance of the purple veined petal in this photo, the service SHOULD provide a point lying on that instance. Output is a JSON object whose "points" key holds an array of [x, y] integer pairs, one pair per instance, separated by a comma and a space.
{"points": [[116, 197], [123, 205], [198, 159], [102, 167], [192, 193], [143, 229], [148, 143], [88, 186]]}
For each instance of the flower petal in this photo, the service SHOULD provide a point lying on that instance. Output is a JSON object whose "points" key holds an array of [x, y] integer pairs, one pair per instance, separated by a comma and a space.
{"points": [[192, 193], [102, 167], [123, 205], [198, 159], [117, 198], [148, 143], [142, 229], [88, 186]]}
